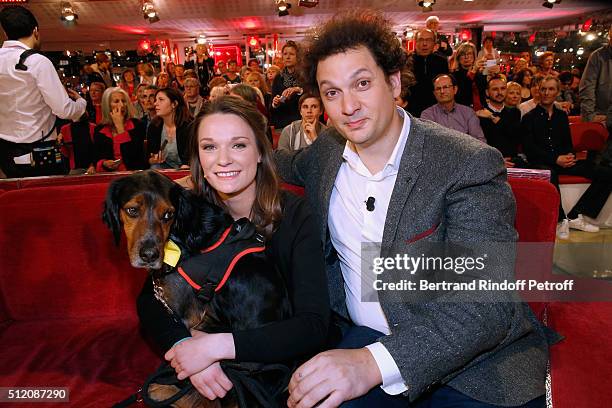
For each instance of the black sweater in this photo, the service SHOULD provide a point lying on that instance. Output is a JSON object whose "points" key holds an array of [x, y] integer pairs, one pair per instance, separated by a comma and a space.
{"points": [[182, 139], [296, 249], [505, 134], [425, 70], [286, 112], [544, 138]]}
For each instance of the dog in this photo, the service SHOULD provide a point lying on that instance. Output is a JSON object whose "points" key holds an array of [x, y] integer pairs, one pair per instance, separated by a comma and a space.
{"points": [[151, 209]]}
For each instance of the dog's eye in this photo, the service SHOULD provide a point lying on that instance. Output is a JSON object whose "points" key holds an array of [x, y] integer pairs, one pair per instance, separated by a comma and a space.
{"points": [[131, 211], [168, 215]]}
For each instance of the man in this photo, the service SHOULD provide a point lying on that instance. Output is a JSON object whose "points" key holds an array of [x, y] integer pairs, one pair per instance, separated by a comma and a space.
{"points": [[148, 104], [203, 65], [443, 48], [179, 72], [450, 114], [426, 66], [192, 96], [548, 144], [596, 91], [487, 50], [231, 76], [501, 124], [30, 97], [102, 71], [380, 175]]}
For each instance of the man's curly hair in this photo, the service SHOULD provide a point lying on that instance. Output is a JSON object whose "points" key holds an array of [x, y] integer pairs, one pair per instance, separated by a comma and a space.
{"points": [[349, 30]]}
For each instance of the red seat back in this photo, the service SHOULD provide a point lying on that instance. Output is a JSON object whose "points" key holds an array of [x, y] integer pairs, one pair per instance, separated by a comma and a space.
{"points": [[588, 136]]}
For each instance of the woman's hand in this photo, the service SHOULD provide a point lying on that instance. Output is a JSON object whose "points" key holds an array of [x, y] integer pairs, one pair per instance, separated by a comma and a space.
{"points": [[118, 120], [91, 170], [212, 382], [287, 93], [157, 158], [276, 101], [199, 352], [479, 66], [111, 165]]}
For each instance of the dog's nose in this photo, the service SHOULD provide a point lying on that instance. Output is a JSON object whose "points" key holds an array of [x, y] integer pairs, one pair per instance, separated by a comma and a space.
{"points": [[149, 254]]}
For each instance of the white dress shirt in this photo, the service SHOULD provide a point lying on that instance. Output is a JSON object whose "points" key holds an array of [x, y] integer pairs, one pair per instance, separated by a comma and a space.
{"points": [[30, 99], [351, 224]]}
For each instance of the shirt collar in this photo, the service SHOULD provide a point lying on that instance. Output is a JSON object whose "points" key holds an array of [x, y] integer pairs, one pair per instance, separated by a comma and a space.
{"points": [[493, 109], [14, 44], [447, 111], [393, 163]]}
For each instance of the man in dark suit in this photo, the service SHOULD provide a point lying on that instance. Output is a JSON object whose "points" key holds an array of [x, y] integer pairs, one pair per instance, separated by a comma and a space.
{"points": [[382, 176], [426, 65]]}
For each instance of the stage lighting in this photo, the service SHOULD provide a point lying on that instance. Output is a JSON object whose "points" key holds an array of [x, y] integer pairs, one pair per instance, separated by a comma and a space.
{"points": [[68, 13], [283, 8], [550, 3]]}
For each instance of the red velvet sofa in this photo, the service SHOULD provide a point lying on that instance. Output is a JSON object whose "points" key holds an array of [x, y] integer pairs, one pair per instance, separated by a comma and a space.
{"points": [[67, 301]]}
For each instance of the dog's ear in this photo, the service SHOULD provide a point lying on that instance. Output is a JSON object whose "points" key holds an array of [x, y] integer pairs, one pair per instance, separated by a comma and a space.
{"points": [[110, 215], [185, 211]]}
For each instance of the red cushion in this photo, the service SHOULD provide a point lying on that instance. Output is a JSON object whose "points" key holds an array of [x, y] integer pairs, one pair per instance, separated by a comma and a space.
{"points": [[580, 364], [537, 206], [566, 179], [588, 136]]}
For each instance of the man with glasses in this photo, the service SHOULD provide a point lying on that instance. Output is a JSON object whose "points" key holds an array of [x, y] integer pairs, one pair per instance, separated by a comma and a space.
{"points": [[426, 66], [450, 114]]}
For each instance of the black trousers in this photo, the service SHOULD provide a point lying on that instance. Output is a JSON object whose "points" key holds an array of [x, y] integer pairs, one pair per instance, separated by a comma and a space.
{"points": [[594, 198], [10, 150]]}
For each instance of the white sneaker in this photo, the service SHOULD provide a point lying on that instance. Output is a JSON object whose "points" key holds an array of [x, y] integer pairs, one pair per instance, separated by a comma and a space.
{"points": [[581, 224], [563, 231]]}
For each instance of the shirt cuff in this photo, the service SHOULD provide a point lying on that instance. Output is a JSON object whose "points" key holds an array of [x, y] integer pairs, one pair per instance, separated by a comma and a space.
{"points": [[392, 381]]}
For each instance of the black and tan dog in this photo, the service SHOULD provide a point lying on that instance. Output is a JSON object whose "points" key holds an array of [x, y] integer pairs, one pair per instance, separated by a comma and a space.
{"points": [[152, 209]]}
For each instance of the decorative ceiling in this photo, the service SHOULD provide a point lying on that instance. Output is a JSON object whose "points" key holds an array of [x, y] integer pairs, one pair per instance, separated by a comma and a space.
{"points": [[121, 21]]}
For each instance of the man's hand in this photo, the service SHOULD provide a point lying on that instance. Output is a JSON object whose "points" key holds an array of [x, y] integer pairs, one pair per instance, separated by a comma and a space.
{"points": [[111, 165], [566, 160], [157, 158], [276, 101], [290, 91], [212, 383], [565, 107], [333, 377], [310, 130], [72, 94], [199, 352], [508, 162], [484, 113]]}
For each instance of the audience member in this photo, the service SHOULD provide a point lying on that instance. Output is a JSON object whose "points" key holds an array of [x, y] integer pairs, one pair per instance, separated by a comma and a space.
{"points": [[303, 132], [192, 96], [257, 80], [501, 125], [546, 61], [101, 70], [148, 104], [548, 144], [534, 87], [471, 83], [443, 47], [129, 84], [179, 72], [513, 95], [147, 74], [168, 133], [596, 92], [524, 78], [203, 65], [487, 51], [251, 95], [78, 145], [29, 98], [119, 139], [406, 81], [271, 73], [426, 66], [171, 71], [254, 65], [138, 106], [217, 81], [163, 80], [519, 65], [221, 68], [232, 76], [218, 91], [286, 89], [94, 105], [450, 114], [190, 73], [566, 93], [526, 55]]}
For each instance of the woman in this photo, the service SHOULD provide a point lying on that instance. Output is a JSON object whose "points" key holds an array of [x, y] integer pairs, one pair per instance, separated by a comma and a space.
{"points": [[547, 60], [513, 95], [471, 83], [250, 94], [519, 65], [147, 74], [169, 129], [271, 73], [119, 139], [286, 89], [302, 133], [129, 84], [524, 78], [163, 80], [232, 166], [257, 80]]}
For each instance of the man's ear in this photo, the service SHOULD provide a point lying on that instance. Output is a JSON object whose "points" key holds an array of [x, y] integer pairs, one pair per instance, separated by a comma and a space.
{"points": [[395, 80]]}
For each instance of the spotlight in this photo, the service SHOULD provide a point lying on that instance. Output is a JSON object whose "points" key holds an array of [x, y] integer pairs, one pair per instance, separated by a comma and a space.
{"points": [[201, 39], [149, 12], [68, 13], [550, 3], [426, 5], [283, 8]]}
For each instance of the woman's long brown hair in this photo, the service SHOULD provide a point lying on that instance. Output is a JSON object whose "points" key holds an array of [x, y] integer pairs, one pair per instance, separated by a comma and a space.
{"points": [[266, 211]]}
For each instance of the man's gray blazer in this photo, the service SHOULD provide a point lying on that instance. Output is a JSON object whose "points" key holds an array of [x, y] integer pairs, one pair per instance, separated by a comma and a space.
{"points": [[450, 188]]}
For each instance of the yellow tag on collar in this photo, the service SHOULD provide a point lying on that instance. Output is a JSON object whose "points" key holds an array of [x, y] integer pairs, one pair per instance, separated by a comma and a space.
{"points": [[172, 253]]}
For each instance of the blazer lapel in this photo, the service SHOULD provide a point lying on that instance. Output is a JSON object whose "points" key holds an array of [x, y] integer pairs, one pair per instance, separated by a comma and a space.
{"points": [[406, 179]]}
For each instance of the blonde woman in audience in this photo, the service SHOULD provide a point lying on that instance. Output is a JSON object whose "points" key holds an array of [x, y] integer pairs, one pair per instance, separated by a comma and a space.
{"points": [[119, 139], [218, 91], [271, 73], [257, 80], [513, 95], [163, 80], [147, 75]]}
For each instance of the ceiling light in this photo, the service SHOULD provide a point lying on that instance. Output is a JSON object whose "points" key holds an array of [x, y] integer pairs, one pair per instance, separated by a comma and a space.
{"points": [[201, 39], [426, 5], [550, 3], [68, 13], [149, 11], [283, 7], [590, 37], [580, 51]]}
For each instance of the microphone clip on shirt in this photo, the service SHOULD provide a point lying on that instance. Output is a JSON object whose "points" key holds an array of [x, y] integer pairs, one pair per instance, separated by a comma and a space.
{"points": [[370, 203]]}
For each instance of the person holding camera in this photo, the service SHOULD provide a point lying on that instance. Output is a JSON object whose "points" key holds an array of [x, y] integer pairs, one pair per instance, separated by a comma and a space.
{"points": [[29, 80], [286, 89]]}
